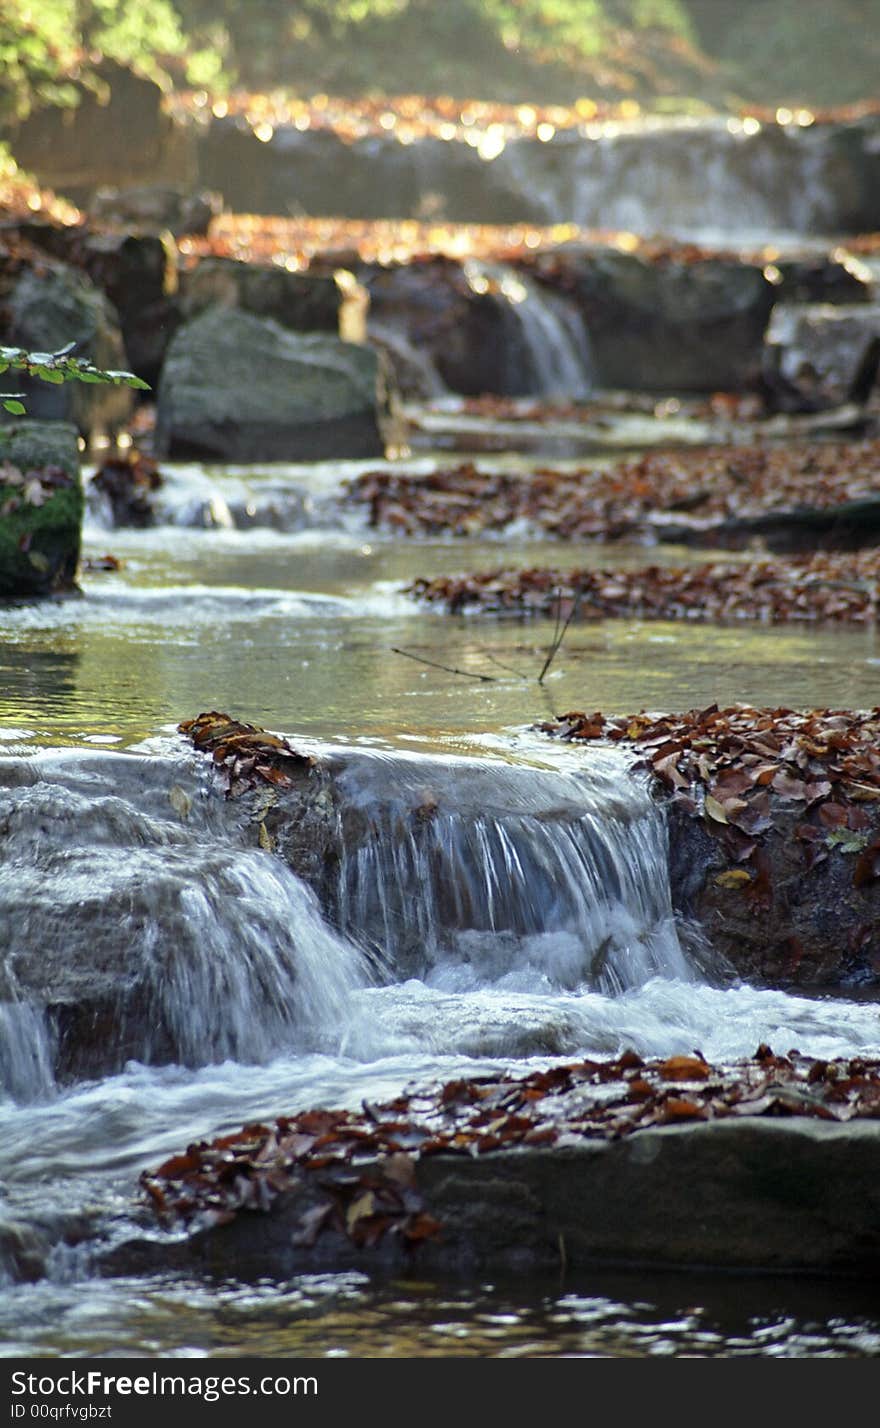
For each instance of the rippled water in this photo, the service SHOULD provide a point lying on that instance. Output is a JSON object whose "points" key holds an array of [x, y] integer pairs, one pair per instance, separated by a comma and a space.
{"points": [[295, 629]]}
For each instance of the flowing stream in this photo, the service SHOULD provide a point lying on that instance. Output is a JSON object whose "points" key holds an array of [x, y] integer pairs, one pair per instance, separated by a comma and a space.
{"points": [[499, 901]]}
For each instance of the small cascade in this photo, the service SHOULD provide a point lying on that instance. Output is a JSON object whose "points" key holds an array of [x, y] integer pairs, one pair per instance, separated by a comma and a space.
{"points": [[474, 874], [27, 1052], [706, 179], [226, 500], [151, 933], [549, 351]]}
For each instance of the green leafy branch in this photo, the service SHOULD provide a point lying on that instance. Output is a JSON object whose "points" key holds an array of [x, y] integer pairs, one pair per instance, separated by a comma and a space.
{"points": [[58, 367]]}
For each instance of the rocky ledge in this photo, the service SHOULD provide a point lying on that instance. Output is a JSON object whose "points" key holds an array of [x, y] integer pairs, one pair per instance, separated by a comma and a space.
{"points": [[773, 817], [774, 831], [771, 1164]]}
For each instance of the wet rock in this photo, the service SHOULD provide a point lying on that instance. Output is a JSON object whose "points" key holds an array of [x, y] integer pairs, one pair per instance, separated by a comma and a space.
{"points": [[819, 356], [855, 147], [677, 325], [119, 876], [41, 507], [301, 302], [156, 208], [466, 327], [46, 308], [835, 277], [374, 177], [138, 273], [813, 928], [129, 482], [236, 387], [774, 832], [770, 1194]]}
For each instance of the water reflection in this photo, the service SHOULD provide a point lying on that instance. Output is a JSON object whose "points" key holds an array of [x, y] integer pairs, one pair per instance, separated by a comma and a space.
{"points": [[299, 634], [608, 1314]]}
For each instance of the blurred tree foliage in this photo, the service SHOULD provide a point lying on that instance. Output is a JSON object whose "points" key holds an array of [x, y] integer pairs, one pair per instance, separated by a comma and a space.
{"points": [[48, 46], [813, 50]]}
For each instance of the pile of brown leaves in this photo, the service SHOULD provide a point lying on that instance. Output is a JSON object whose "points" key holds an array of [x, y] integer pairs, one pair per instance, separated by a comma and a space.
{"points": [[245, 753], [408, 117], [737, 768], [822, 587], [700, 489], [417, 116], [297, 242], [358, 1169]]}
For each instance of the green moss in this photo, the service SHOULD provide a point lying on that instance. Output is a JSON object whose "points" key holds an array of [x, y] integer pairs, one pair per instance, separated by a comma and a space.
{"points": [[40, 544]]}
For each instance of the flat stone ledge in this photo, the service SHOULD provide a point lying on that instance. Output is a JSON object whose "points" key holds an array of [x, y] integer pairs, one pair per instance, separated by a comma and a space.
{"points": [[784, 1194]]}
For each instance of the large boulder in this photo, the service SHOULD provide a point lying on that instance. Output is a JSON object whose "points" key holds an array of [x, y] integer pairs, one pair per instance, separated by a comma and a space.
{"points": [[776, 1192], [820, 355], [812, 928], [47, 307], [41, 508], [236, 387], [670, 324], [301, 301]]}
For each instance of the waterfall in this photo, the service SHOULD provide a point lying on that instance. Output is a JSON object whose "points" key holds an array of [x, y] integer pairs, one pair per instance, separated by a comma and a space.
{"points": [[144, 925], [549, 347], [27, 1052], [150, 933], [476, 874], [709, 179]]}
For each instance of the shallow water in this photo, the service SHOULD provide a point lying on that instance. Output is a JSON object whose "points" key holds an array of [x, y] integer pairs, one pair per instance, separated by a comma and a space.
{"points": [[295, 629]]}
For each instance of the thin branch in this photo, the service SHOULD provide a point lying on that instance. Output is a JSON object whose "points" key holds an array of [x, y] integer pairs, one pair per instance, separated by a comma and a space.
{"points": [[560, 636], [447, 668], [487, 654]]}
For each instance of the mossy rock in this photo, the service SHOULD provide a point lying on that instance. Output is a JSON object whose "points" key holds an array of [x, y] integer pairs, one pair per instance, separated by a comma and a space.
{"points": [[41, 509]]}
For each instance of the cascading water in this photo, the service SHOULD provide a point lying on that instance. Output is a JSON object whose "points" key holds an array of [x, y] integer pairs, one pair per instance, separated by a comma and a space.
{"points": [[151, 932], [701, 178], [475, 874], [549, 343]]}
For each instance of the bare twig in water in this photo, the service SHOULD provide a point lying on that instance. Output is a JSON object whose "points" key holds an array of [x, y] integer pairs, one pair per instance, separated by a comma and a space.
{"points": [[447, 668], [501, 665], [559, 634]]}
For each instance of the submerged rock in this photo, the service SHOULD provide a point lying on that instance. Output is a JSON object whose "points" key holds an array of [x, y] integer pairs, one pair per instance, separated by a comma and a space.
{"points": [[236, 387], [41, 508]]}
